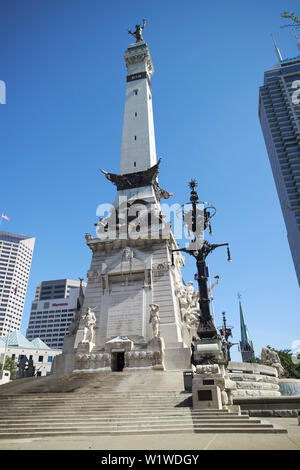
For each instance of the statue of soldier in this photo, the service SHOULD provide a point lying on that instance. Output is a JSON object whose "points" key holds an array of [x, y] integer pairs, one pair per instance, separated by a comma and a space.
{"points": [[90, 321]]}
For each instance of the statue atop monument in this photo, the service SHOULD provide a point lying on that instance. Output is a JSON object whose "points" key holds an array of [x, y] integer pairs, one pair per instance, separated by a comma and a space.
{"points": [[138, 31]]}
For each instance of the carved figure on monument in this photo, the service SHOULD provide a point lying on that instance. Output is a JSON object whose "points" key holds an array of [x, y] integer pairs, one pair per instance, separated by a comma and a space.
{"points": [[127, 254], [154, 319], [190, 293], [188, 298], [208, 369], [90, 322], [138, 31], [191, 319], [269, 357]]}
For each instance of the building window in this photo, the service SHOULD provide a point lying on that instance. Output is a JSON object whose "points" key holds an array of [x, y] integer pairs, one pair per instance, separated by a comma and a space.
{"points": [[50, 358], [41, 358]]}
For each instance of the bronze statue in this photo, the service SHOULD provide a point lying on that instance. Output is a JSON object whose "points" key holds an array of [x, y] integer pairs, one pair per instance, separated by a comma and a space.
{"points": [[138, 31]]}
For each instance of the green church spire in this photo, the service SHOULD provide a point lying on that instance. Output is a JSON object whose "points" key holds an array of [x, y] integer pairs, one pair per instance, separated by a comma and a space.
{"points": [[246, 345]]}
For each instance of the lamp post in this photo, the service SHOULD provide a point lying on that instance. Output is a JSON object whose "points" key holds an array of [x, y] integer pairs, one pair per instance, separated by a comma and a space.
{"points": [[200, 249], [226, 332]]}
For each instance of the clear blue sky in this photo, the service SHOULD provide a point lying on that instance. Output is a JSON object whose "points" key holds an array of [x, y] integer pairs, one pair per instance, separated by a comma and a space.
{"points": [[62, 62]]}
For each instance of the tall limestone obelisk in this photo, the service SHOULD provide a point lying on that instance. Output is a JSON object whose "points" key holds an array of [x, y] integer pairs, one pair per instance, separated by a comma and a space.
{"points": [[133, 273]]}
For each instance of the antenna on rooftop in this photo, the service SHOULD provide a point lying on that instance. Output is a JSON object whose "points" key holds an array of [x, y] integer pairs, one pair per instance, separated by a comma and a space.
{"points": [[278, 53], [297, 39]]}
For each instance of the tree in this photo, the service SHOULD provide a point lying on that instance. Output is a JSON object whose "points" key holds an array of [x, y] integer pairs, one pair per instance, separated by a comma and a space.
{"points": [[291, 370], [11, 366], [290, 15]]}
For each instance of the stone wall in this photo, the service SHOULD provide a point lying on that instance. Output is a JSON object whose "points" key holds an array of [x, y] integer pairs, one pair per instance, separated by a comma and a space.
{"points": [[253, 380]]}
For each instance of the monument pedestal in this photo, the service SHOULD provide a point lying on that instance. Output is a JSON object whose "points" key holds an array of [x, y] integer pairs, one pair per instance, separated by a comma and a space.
{"points": [[85, 347], [206, 394], [212, 388]]}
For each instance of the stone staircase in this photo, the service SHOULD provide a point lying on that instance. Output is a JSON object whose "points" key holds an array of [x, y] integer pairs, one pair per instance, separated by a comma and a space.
{"points": [[116, 413]]}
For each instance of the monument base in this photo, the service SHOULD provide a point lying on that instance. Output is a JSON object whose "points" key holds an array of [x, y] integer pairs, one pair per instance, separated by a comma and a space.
{"points": [[63, 364], [85, 347], [206, 397]]}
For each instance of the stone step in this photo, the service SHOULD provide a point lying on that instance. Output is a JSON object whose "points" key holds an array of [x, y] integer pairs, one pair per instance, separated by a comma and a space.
{"points": [[99, 395], [100, 412], [125, 417], [137, 431], [93, 404], [96, 400], [139, 428], [107, 423]]}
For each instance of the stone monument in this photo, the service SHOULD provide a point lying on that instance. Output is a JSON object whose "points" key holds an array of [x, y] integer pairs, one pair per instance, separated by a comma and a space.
{"points": [[132, 253]]}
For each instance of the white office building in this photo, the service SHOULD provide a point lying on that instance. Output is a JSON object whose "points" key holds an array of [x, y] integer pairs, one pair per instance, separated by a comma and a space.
{"points": [[15, 262], [16, 346], [52, 311]]}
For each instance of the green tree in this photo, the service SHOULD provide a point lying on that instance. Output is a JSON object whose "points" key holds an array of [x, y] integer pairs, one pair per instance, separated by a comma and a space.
{"points": [[11, 366], [291, 370], [291, 16]]}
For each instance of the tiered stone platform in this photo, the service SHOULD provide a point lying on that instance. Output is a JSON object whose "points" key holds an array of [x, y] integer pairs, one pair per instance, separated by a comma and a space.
{"points": [[112, 403], [253, 380]]}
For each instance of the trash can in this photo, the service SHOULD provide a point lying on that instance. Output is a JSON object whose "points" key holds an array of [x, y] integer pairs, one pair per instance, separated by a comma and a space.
{"points": [[188, 380]]}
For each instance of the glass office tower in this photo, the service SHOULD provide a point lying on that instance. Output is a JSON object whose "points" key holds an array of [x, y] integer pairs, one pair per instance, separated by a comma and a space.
{"points": [[279, 114]]}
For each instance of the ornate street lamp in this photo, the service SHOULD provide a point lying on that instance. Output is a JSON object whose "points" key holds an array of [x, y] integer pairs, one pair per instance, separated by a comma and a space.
{"points": [[200, 249]]}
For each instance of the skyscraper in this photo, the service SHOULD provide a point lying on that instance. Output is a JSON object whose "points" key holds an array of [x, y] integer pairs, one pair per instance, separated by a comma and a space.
{"points": [[15, 261], [53, 309], [279, 114]]}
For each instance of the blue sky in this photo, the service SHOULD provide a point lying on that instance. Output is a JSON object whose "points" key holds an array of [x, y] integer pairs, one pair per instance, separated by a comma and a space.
{"points": [[62, 62]]}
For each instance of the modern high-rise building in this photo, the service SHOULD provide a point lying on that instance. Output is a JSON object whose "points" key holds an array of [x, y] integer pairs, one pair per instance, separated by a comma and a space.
{"points": [[279, 114], [52, 311], [15, 261]]}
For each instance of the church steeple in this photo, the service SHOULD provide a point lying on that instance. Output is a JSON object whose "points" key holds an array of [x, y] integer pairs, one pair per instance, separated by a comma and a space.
{"points": [[246, 344]]}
